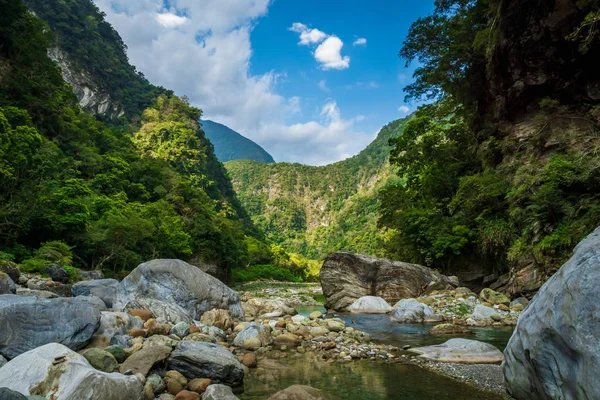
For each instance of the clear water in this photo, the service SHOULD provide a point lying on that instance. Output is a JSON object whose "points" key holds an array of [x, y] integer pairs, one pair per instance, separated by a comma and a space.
{"points": [[371, 380], [357, 380]]}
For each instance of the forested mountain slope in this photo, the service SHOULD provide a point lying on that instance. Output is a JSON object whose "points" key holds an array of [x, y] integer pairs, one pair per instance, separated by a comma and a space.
{"points": [[502, 174], [230, 145], [316, 210], [144, 184]]}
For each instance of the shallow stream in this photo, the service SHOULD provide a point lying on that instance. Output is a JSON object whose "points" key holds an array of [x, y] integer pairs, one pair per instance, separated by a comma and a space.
{"points": [[372, 380]]}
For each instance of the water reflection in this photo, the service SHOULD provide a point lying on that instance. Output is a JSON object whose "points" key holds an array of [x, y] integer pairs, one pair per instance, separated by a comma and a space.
{"points": [[364, 380]]}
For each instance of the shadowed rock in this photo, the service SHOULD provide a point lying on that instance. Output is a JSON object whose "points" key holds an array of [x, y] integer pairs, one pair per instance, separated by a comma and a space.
{"points": [[30, 322], [346, 277], [553, 352], [106, 289]]}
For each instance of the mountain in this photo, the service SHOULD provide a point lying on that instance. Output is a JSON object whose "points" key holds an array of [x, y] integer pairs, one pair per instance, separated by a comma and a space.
{"points": [[99, 168], [315, 210], [230, 145]]}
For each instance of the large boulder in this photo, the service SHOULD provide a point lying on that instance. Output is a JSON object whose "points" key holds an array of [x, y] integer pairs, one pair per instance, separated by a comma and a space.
{"points": [[370, 305], [461, 351], [143, 360], [54, 371], [106, 289], [11, 269], [7, 285], [218, 392], [175, 291], [253, 337], [267, 308], [57, 273], [113, 324], [411, 311], [553, 352], [346, 277], [206, 360], [299, 392], [493, 297], [30, 322]]}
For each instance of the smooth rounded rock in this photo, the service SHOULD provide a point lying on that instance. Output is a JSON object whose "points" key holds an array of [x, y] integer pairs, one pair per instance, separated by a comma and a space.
{"points": [[461, 351], [105, 289], [370, 305], [218, 392], [253, 336], [101, 360], [299, 392], [411, 311]]}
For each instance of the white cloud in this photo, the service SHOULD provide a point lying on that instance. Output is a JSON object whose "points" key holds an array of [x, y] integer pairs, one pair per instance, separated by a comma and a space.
{"points": [[404, 109], [208, 59], [363, 85], [323, 86], [360, 42], [307, 36], [329, 54], [170, 20]]}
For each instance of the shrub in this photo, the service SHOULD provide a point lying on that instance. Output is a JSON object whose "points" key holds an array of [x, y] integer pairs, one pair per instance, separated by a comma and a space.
{"points": [[34, 265], [263, 272]]}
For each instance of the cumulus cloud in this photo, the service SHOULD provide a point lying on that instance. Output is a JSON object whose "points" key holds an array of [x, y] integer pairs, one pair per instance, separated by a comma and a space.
{"points": [[202, 49], [404, 109], [329, 54], [360, 42], [170, 20], [307, 36]]}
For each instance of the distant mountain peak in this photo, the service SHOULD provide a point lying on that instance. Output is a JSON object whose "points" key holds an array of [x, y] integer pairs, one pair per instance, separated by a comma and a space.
{"points": [[231, 145]]}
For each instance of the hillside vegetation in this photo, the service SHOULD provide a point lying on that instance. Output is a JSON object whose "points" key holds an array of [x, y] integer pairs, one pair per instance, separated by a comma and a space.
{"points": [[502, 173], [230, 145], [316, 210]]}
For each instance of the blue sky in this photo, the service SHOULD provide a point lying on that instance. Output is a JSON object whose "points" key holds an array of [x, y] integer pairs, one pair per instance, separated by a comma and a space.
{"points": [[291, 75]]}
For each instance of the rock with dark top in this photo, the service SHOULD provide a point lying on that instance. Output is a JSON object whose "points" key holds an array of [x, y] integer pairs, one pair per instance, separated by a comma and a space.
{"points": [[58, 273], [206, 360], [175, 291], [7, 394], [90, 275], [7, 286], [346, 277], [30, 322], [553, 352], [11, 269]]}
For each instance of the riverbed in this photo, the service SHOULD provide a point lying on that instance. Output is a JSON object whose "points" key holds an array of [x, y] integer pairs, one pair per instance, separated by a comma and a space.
{"points": [[367, 379]]}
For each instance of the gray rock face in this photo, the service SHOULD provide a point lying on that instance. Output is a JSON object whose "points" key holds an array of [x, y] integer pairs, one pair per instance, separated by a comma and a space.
{"points": [[346, 277], [206, 360], [54, 371], [61, 289], [112, 325], [267, 308], [175, 291], [218, 392], [90, 275], [553, 352], [7, 286], [370, 305], [483, 313], [461, 351], [411, 311], [36, 293], [106, 289], [29, 322]]}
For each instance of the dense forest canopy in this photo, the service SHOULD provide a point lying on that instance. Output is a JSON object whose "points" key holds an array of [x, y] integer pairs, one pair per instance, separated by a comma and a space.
{"points": [[485, 182]]}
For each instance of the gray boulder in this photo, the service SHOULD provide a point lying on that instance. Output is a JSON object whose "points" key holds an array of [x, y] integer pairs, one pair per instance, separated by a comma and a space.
{"points": [[175, 291], [218, 392], [370, 305], [57, 273], [106, 289], [42, 294], [411, 311], [2, 361], [54, 371], [7, 286], [95, 301], [553, 352], [346, 277], [253, 337], [299, 392], [267, 308], [11, 269], [61, 289], [206, 360], [29, 322], [7, 394], [114, 324], [90, 275], [461, 351]]}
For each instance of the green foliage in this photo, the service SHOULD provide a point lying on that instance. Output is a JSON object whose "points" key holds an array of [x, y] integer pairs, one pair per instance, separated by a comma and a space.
{"points": [[587, 32], [34, 265], [316, 210], [263, 272], [93, 195]]}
